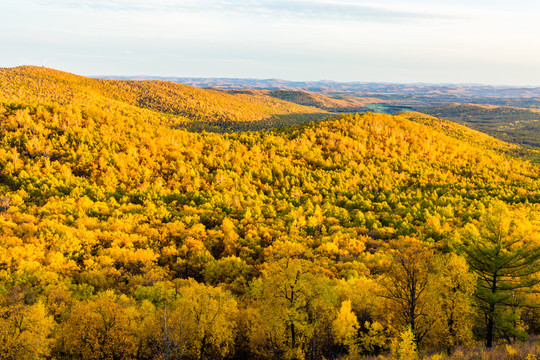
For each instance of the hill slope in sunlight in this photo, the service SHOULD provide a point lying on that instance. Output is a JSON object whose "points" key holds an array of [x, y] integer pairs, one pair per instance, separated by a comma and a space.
{"points": [[178, 103], [325, 102], [520, 126]]}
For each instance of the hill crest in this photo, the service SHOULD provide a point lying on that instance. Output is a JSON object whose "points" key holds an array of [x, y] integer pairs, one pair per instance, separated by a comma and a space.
{"points": [[176, 102]]}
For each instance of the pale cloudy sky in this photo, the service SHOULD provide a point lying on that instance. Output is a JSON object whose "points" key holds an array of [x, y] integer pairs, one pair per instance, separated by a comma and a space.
{"points": [[465, 41]]}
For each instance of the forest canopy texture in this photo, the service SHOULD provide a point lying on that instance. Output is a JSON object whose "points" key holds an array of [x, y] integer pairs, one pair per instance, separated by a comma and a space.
{"points": [[126, 232]]}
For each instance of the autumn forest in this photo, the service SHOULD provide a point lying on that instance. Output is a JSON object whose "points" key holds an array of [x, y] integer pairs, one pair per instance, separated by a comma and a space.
{"points": [[153, 220]]}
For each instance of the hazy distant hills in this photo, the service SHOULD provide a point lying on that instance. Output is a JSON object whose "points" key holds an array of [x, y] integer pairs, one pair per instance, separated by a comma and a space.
{"points": [[332, 87]]}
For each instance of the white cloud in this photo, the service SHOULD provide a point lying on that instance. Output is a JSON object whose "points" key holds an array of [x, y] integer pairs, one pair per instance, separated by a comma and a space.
{"points": [[314, 9]]}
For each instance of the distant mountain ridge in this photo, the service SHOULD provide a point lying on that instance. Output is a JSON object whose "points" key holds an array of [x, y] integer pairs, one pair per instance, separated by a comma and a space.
{"points": [[328, 86]]}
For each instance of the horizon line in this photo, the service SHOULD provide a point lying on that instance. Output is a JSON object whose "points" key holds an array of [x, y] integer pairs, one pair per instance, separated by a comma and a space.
{"points": [[164, 77]]}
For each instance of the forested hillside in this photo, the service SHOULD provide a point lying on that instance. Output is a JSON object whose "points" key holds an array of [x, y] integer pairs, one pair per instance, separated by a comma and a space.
{"points": [[336, 104], [173, 103], [123, 236], [521, 126]]}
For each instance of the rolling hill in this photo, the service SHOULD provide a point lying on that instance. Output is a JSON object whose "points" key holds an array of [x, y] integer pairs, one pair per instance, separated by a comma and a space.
{"points": [[335, 104], [177, 104]]}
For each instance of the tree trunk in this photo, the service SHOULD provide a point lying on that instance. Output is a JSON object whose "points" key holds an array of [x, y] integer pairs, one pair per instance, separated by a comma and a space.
{"points": [[203, 345], [412, 308], [452, 333], [489, 334], [490, 325], [293, 336]]}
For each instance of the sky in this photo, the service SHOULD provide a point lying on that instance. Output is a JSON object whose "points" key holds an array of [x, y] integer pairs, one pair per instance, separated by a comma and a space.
{"points": [[411, 41]]}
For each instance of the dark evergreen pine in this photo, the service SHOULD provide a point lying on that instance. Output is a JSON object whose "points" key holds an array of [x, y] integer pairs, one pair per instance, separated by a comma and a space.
{"points": [[505, 258]]}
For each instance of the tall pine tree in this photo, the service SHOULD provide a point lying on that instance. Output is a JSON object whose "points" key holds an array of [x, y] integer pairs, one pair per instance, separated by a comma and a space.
{"points": [[504, 251]]}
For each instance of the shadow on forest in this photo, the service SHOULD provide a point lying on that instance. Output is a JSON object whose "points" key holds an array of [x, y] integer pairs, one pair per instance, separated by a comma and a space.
{"points": [[272, 122]]}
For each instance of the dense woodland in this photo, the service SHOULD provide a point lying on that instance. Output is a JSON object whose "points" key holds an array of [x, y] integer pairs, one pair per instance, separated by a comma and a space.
{"points": [[521, 126], [336, 104], [174, 104], [125, 236]]}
